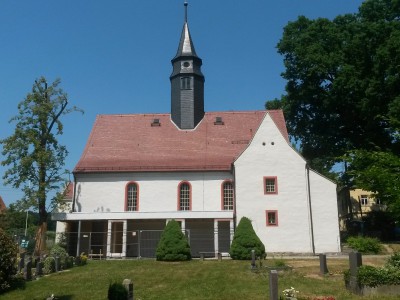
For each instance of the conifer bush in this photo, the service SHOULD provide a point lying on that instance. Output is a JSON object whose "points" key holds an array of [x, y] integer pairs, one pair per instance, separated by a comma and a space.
{"points": [[8, 260], [173, 245], [245, 240], [117, 291]]}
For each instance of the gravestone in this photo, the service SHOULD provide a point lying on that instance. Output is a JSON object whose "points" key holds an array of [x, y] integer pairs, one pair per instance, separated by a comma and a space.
{"points": [[57, 263], [28, 270], [273, 285], [39, 269], [128, 284], [21, 263], [355, 261], [253, 259], [323, 268]]}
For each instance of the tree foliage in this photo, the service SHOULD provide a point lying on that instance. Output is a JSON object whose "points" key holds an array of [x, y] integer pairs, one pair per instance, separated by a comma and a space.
{"points": [[343, 83], [173, 245], [245, 240], [33, 153], [8, 259], [342, 101]]}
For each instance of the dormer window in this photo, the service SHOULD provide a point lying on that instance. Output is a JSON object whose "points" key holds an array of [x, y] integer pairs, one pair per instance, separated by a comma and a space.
{"points": [[156, 122], [218, 121], [186, 83]]}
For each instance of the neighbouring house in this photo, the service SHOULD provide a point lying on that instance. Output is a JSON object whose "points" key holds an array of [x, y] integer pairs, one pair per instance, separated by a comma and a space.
{"points": [[206, 170]]}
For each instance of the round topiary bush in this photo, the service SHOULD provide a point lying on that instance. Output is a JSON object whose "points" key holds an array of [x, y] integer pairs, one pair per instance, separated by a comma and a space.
{"points": [[245, 240], [117, 291], [8, 259], [173, 245]]}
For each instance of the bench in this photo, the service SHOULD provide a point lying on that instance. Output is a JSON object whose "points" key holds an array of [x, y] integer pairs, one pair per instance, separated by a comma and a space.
{"points": [[213, 254], [93, 255]]}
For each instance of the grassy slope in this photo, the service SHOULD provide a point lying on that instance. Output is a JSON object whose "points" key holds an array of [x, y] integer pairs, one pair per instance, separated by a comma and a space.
{"points": [[188, 280]]}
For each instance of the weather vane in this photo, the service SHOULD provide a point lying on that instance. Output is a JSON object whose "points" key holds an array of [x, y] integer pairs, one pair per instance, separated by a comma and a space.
{"points": [[186, 5]]}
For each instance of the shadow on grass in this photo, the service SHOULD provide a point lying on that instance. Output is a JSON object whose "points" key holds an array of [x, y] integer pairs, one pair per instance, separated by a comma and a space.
{"points": [[64, 297]]}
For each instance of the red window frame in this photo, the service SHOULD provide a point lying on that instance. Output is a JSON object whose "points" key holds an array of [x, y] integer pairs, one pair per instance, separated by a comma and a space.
{"points": [[137, 195], [179, 196], [223, 195], [275, 178], [267, 219]]}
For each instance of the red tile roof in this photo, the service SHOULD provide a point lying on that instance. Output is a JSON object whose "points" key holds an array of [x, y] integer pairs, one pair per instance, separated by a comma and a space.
{"points": [[129, 142], [69, 191]]}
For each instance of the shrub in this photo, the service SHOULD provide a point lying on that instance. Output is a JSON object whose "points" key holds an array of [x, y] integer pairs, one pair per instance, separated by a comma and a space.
{"points": [[365, 244], [173, 245], [49, 265], [59, 251], [81, 260], [394, 260], [117, 291], [8, 259], [370, 276], [245, 240]]}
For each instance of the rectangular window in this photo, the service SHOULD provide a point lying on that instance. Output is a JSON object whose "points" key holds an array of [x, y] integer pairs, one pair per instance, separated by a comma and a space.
{"points": [[227, 195], [186, 83], [364, 200], [272, 217], [270, 185]]}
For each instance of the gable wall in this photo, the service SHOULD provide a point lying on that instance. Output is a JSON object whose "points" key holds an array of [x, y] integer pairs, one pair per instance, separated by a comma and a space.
{"points": [[262, 158], [158, 192]]}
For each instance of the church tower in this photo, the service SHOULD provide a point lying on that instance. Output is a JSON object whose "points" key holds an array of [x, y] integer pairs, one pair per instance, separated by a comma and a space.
{"points": [[187, 83]]}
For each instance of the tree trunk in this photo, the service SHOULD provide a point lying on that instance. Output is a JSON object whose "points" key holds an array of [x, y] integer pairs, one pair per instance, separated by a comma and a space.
{"points": [[40, 238]]}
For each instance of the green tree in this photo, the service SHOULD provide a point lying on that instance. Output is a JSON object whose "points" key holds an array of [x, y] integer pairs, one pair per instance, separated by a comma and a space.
{"points": [[245, 240], [343, 83], [33, 153], [342, 101], [173, 245]]}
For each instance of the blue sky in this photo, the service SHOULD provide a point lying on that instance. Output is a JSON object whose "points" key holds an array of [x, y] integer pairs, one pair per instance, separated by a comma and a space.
{"points": [[113, 57]]}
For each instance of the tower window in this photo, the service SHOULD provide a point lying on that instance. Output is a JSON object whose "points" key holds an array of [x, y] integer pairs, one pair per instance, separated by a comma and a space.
{"points": [[186, 83]]}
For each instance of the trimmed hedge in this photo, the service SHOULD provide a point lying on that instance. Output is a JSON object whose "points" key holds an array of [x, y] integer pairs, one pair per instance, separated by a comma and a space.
{"points": [[245, 240], [173, 245]]}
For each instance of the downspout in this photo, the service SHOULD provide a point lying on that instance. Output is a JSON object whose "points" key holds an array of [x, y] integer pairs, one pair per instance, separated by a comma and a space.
{"points": [[310, 207], [74, 195], [234, 196]]}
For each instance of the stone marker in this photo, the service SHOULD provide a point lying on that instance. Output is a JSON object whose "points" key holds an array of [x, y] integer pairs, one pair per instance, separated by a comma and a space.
{"points": [[21, 263], [273, 285], [57, 263], [128, 284], [28, 270], [323, 268], [355, 261], [219, 256], [253, 259], [39, 269]]}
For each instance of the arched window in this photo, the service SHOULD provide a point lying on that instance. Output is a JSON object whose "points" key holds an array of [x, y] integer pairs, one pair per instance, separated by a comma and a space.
{"points": [[185, 196], [227, 195], [132, 197]]}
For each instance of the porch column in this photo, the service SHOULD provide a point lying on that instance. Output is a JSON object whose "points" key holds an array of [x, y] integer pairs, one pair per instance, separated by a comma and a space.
{"points": [[125, 226], [216, 247], [78, 243], [232, 232], [109, 238]]}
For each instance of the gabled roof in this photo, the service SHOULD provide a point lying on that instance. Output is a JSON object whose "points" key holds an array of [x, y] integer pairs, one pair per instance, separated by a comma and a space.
{"points": [[68, 191], [123, 143]]}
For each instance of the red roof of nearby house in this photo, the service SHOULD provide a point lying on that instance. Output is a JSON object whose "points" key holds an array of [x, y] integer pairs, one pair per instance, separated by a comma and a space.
{"points": [[130, 142], [69, 191], [2, 205]]}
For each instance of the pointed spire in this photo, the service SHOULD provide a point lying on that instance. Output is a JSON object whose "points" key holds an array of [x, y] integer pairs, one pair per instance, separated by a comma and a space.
{"points": [[186, 47]]}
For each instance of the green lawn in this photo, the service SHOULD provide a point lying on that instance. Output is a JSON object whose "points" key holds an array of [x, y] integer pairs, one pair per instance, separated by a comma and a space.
{"points": [[193, 280]]}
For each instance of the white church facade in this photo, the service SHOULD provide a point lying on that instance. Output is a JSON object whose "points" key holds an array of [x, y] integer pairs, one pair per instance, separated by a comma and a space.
{"points": [[206, 170]]}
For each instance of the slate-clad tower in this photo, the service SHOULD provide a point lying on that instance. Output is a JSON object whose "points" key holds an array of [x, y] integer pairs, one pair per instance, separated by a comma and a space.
{"points": [[187, 83]]}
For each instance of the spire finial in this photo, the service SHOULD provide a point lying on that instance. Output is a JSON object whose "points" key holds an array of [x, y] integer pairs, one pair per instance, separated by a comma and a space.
{"points": [[186, 5]]}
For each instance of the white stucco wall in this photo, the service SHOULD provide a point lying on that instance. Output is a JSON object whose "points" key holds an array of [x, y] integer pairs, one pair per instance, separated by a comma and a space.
{"points": [[158, 192], [325, 214], [269, 154]]}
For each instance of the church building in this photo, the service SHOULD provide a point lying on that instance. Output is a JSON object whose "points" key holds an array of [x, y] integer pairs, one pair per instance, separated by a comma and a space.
{"points": [[206, 170]]}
